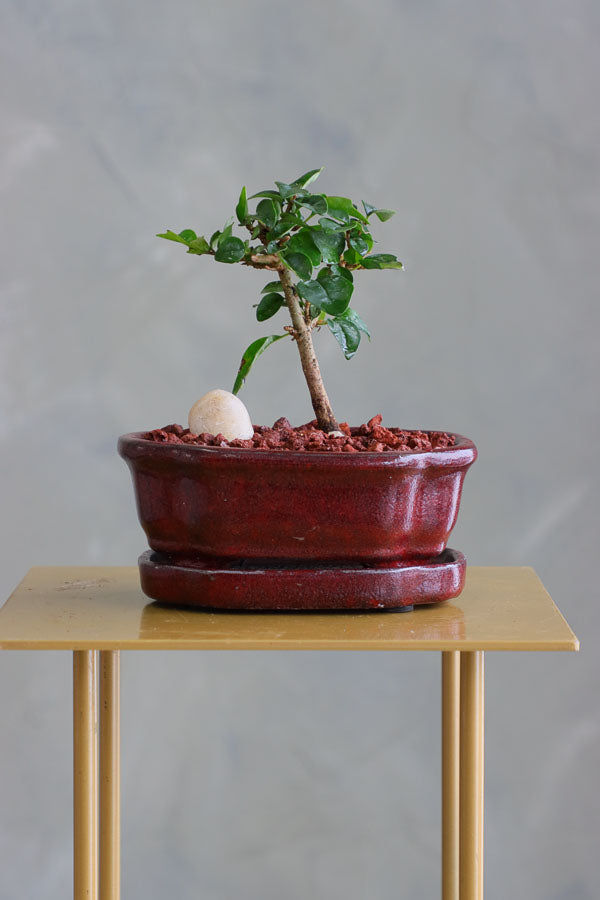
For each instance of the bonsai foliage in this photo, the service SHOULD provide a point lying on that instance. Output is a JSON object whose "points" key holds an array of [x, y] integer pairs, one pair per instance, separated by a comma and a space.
{"points": [[314, 243]]}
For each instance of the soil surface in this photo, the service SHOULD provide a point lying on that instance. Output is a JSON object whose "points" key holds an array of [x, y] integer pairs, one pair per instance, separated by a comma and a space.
{"points": [[372, 437]]}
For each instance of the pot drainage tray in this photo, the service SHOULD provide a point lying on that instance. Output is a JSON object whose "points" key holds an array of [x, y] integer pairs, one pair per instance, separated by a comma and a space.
{"points": [[281, 585]]}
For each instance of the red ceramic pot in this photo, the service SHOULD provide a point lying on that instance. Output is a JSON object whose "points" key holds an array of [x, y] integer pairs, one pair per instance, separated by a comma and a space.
{"points": [[259, 529], [212, 503]]}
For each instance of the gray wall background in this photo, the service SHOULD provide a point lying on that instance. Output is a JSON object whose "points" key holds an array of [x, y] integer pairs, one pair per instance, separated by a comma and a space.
{"points": [[310, 775]]}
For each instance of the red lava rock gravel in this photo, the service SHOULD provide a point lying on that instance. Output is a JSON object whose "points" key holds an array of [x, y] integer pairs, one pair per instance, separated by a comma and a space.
{"points": [[373, 437]]}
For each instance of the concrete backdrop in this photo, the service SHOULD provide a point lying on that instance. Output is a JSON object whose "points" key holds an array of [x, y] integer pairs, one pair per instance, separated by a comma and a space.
{"points": [[291, 776]]}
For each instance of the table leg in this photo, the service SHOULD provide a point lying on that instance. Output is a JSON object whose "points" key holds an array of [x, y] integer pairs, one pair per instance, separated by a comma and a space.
{"points": [[110, 825], [471, 775], [85, 776], [450, 772]]}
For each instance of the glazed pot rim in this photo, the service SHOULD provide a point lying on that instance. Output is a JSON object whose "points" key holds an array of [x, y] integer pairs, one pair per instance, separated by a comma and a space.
{"points": [[464, 450]]}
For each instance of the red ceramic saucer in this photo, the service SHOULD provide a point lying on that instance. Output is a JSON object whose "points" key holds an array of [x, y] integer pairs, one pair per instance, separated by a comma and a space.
{"points": [[254, 586]]}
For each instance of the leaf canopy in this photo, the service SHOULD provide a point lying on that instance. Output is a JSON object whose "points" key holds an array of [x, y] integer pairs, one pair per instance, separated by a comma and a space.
{"points": [[318, 239]]}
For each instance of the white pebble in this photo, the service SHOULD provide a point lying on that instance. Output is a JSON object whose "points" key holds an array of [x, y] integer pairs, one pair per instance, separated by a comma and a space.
{"points": [[220, 412]]}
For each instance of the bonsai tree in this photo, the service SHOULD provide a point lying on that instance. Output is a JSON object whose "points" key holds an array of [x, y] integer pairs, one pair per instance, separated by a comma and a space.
{"points": [[314, 242]]}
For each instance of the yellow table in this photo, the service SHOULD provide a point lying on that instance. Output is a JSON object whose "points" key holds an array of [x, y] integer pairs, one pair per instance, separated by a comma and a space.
{"points": [[89, 610]]}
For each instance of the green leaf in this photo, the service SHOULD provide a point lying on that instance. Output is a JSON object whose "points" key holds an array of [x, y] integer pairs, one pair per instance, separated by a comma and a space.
{"points": [[286, 190], [316, 202], [267, 212], [338, 289], [333, 227], [359, 243], [214, 238], [199, 246], [369, 263], [382, 214], [226, 233], [302, 242], [272, 195], [356, 320], [381, 261], [268, 306], [300, 263], [171, 236], [343, 273], [346, 334], [314, 293], [352, 257], [230, 250], [285, 225], [330, 244], [308, 177], [272, 286], [343, 208], [250, 356], [241, 209], [188, 235], [330, 293]]}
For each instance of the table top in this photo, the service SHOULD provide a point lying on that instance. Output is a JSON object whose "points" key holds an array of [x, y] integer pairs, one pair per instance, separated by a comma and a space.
{"points": [[103, 608]]}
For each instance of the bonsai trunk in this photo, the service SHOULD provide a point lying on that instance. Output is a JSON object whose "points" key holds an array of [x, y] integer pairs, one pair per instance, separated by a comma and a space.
{"points": [[308, 358]]}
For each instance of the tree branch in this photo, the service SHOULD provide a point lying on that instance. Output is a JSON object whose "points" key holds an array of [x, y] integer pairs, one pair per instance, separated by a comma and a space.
{"points": [[310, 365], [263, 261]]}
